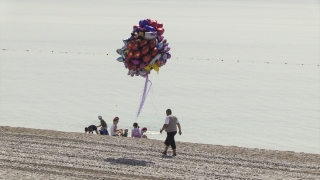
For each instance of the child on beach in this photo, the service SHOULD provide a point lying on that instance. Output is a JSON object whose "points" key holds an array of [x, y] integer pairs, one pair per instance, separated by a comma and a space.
{"points": [[135, 133], [123, 133], [144, 130]]}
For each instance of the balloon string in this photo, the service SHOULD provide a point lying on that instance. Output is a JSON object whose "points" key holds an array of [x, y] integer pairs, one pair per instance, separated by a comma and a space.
{"points": [[146, 90]]}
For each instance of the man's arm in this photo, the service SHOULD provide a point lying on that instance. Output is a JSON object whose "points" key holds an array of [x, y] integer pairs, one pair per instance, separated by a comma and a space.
{"points": [[180, 132], [163, 127]]}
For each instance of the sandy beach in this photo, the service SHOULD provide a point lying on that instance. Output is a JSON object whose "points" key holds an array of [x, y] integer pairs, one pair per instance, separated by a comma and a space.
{"points": [[46, 154]]}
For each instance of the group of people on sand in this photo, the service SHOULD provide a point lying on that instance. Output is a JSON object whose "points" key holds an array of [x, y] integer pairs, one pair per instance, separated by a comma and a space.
{"points": [[170, 126], [114, 131]]}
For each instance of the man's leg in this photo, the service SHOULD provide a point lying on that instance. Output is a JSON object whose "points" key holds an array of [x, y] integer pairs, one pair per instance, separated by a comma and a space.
{"points": [[173, 142], [166, 143], [165, 150]]}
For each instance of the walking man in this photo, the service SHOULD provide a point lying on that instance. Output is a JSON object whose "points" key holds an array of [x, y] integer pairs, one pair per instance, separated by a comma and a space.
{"points": [[170, 126]]}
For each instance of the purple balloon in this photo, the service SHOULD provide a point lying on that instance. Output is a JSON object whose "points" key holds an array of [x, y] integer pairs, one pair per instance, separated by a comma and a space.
{"points": [[168, 55], [165, 49], [160, 38], [143, 22], [136, 61], [149, 28]]}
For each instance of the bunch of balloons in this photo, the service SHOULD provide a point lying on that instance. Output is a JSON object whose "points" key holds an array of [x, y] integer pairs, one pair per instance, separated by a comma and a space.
{"points": [[145, 49]]}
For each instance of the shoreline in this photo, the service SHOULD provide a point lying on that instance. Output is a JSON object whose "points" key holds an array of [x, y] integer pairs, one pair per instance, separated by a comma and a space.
{"points": [[27, 153]]}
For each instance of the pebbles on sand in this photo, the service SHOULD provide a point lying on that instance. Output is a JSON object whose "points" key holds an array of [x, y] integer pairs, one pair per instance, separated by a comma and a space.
{"points": [[47, 154]]}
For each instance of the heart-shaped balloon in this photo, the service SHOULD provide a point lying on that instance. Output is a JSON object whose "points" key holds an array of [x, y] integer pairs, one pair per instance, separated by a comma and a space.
{"points": [[152, 44], [137, 54], [143, 43], [160, 31], [146, 58], [130, 45], [145, 50], [153, 23], [130, 54], [135, 46], [154, 51]]}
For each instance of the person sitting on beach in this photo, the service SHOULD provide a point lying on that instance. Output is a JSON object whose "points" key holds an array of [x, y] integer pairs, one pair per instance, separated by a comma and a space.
{"points": [[144, 130], [123, 133], [136, 133], [113, 130], [103, 125], [90, 129]]}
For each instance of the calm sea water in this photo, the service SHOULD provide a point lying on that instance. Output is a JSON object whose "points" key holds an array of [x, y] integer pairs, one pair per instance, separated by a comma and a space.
{"points": [[241, 73]]}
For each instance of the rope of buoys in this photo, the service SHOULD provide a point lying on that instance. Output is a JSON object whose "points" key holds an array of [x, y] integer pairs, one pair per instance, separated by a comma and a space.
{"points": [[184, 58]]}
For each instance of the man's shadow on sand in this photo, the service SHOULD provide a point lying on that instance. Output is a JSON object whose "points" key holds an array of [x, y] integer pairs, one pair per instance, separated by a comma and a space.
{"points": [[127, 161]]}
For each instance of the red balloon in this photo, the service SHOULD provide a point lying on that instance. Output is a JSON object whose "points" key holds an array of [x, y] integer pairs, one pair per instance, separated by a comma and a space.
{"points": [[135, 46], [153, 23], [146, 58], [152, 44], [130, 44], [137, 54], [154, 51], [143, 43], [149, 20], [130, 65], [130, 54], [145, 50], [135, 26], [160, 31], [160, 25]]}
